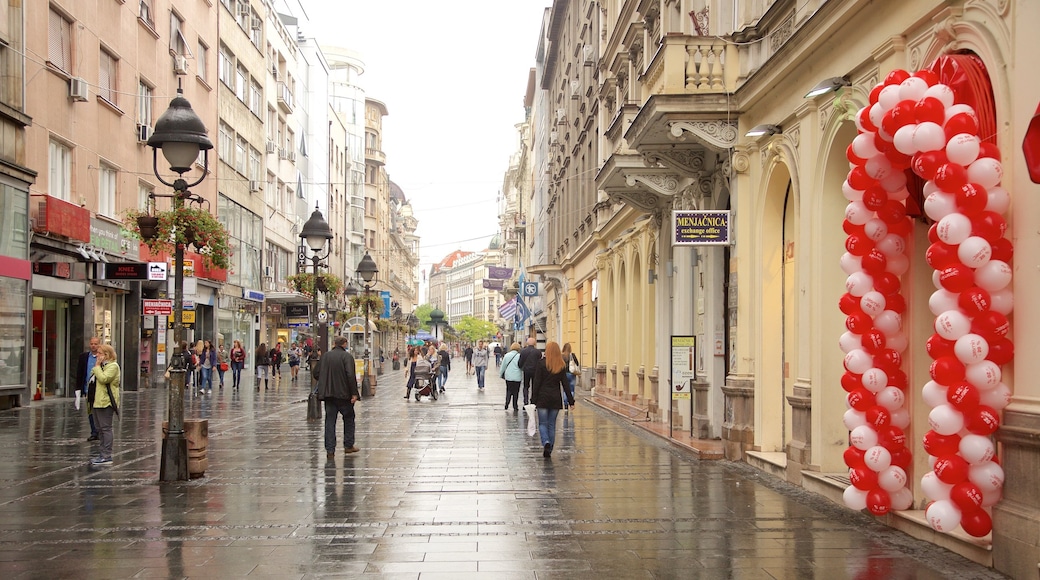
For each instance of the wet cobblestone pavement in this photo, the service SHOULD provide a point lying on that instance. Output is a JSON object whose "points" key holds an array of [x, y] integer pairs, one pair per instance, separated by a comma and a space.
{"points": [[451, 489]]}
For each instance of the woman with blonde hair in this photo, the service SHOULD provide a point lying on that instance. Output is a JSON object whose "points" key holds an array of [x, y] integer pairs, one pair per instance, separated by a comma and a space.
{"points": [[104, 396], [510, 371], [547, 391]]}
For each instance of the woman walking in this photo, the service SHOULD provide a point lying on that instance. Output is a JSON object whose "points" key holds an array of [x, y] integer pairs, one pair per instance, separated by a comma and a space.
{"points": [[413, 355], [276, 361], [104, 395], [207, 360], [550, 384], [295, 355], [510, 371], [222, 363], [262, 360], [573, 368], [238, 362]]}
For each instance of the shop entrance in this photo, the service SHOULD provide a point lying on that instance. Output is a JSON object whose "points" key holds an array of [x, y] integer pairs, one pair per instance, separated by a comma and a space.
{"points": [[50, 348]]}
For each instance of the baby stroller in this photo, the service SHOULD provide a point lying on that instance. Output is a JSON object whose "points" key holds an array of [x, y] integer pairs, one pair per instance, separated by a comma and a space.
{"points": [[424, 385]]}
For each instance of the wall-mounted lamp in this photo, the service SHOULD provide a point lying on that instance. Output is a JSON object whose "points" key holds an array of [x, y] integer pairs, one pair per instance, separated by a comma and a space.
{"points": [[760, 130], [827, 86], [83, 252]]}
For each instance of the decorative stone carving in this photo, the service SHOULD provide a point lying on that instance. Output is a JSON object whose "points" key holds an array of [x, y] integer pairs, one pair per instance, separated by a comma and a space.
{"points": [[780, 34], [688, 161], [717, 134], [793, 135], [741, 162], [642, 200], [662, 184]]}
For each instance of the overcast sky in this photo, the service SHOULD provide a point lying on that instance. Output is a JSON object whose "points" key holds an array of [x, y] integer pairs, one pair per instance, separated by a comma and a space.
{"points": [[453, 75]]}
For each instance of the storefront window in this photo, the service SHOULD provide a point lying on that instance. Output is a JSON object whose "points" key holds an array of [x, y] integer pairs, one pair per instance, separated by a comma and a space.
{"points": [[13, 318], [108, 308], [247, 234], [14, 209], [49, 344]]}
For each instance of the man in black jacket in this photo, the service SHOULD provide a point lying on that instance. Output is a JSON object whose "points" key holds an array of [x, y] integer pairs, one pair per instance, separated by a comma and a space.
{"points": [[337, 386], [530, 356], [83, 366], [445, 364]]}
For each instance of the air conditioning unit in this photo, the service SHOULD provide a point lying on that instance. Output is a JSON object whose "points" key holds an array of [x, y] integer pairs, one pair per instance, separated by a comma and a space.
{"points": [[143, 133], [180, 64], [271, 147], [283, 154], [256, 23], [79, 90], [254, 185], [292, 156], [245, 10]]}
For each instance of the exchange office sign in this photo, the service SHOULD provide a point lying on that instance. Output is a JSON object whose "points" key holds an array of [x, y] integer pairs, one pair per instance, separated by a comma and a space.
{"points": [[700, 227]]}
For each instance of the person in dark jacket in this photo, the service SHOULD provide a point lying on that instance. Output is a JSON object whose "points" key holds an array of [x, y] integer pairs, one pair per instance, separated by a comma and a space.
{"points": [[338, 387], [530, 360], [84, 367], [445, 364], [550, 386], [262, 364]]}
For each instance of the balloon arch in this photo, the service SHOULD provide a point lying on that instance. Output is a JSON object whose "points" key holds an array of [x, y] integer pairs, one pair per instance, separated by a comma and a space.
{"points": [[926, 140]]}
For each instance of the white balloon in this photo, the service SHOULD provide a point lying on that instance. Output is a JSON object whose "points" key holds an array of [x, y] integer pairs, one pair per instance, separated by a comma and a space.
{"points": [[998, 200], [943, 515], [939, 204], [873, 303], [985, 375], [937, 280], [875, 229], [877, 115], [857, 213], [901, 418], [874, 379], [858, 361], [997, 397], [904, 139], [933, 394], [859, 125], [945, 420], [1001, 301], [902, 499], [889, 323], [952, 110], [897, 342], [953, 228], [892, 478], [988, 476], [990, 498], [986, 172], [863, 144], [859, 283], [850, 341], [934, 488], [850, 264], [897, 264], [888, 98], [853, 419], [992, 276], [976, 449], [952, 324], [941, 301], [941, 92], [929, 137], [854, 498], [895, 183], [962, 148], [878, 167], [877, 458], [913, 89], [974, 251], [863, 437], [891, 398], [971, 349], [851, 193], [929, 188]]}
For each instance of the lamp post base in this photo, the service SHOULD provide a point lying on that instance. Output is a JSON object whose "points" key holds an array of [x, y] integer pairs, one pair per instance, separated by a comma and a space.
{"points": [[174, 465]]}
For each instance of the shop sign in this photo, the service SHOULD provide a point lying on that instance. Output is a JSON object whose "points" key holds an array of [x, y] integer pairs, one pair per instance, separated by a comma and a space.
{"points": [[55, 269], [187, 317], [113, 239], [157, 307], [156, 270], [684, 355], [128, 271], [700, 227], [254, 295], [274, 308]]}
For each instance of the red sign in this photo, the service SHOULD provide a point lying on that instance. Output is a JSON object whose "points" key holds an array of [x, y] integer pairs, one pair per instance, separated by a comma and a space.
{"points": [[215, 274], [62, 218], [151, 307]]}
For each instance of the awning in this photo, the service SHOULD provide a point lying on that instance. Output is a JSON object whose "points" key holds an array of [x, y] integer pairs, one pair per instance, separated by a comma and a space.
{"points": [[286, 297]]}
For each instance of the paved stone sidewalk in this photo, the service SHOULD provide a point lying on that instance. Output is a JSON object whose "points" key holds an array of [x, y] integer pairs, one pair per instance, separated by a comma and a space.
{"points": [[451, 489]]}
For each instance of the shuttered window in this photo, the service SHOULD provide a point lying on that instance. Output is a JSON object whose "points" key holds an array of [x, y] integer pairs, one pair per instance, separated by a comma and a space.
{"points": [[59, 42], [109, 65]]}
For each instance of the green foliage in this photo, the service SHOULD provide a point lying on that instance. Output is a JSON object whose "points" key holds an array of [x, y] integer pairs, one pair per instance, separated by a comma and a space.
{"points": [[422, 312], [474, 329], [304, 283]]}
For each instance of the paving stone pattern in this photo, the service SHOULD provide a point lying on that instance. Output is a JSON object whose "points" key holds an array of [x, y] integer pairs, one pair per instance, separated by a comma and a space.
{"points": [[451, 489]]}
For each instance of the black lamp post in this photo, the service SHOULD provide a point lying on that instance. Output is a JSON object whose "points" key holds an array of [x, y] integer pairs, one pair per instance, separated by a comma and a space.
{"points": [[369, 272], [316, 234], [181, 134]]}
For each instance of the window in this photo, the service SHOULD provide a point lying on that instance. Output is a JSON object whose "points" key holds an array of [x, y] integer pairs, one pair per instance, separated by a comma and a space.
{"points": [[256, 98], [107, 76], [146, 12], [254, 165], [290, 141], [242, 86], [178, 44], [240, 155], [144, 197], [144, 104], [226, 143], [107, 191], [60, 171], [271, 124], [201, 61], [226, 67], [59, 42]]}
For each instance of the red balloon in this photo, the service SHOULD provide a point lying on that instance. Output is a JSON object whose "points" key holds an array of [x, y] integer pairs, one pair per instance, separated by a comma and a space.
{"points": [[990, 325], [947, 370], [1001, 351], [898, 160], [898, 117], [957, 278], [984, 421], [886, 283], [989, 225], [901, 228], [961, 123], [974, 301], [878, 417], [888, 359], [967, 496], [874, 197], [850, 381], [892, 438], [873, 341], [859, 322], [902, 457], [940, 445], [1002, 250], [950, 177], [897, 378], [938, 347], [874, 262], [928, 77], [853, 158], [971, 199], [864, 116], [848, 304], [863, 478], [987, 149], [859, 179], [964, 396], [882, 144], [977, 523], [927, 164], [941, 255], [933, 233], [860, 399], [896, 77], [859, 245], [930, 109], [879, 502], [895, 302], [854, 457], [891, 212], [951, 469], [851, 228]]}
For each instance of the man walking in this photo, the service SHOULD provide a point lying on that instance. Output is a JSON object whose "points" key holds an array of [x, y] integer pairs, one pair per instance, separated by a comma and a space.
{"points": [[530, 357], [468, 353], [445, 364], [480, 363], [84, 366], [337, 386]]}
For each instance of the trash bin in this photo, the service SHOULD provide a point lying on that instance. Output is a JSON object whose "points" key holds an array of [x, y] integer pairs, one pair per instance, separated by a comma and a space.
{"points": [[196, 433]]}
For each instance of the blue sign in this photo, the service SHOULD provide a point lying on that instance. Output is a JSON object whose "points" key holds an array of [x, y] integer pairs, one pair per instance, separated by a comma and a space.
{"points": [[385, 295], [529, 289], [254, 295]]}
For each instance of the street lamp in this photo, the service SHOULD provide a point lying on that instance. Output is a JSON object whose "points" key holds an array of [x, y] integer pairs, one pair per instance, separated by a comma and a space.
{"points": [[367, 271], [316, 234], [181, 135]]}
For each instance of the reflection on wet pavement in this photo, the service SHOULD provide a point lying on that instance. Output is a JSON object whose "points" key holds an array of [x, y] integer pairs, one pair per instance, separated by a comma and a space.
{"points": [[441, 489]]}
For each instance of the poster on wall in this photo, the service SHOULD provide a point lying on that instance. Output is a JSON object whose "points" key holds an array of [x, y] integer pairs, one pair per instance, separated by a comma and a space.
{"points": [[684, 355]]}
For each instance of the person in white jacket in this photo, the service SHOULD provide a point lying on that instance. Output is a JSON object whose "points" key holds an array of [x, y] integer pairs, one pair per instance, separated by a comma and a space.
{"points": [[513, 374]]}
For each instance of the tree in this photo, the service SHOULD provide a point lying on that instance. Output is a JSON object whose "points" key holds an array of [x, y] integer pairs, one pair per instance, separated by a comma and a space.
{"points": [[474, 329], [422, 312]]}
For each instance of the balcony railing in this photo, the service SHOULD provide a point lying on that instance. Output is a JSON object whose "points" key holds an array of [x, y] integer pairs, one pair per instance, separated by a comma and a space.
{"points": [[285, 97], [692, 64]]}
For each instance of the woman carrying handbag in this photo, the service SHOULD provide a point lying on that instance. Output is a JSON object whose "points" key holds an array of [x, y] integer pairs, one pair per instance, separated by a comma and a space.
{"points": [[573, 369]]}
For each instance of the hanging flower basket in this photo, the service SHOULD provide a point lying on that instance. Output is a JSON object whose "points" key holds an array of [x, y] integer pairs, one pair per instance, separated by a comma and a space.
{"points": [[188, 226], [373, 301], [304, 283]]}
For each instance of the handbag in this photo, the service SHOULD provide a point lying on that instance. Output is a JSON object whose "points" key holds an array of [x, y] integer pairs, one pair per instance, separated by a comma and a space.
{"points": [[223, 366], [573, 367]]}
